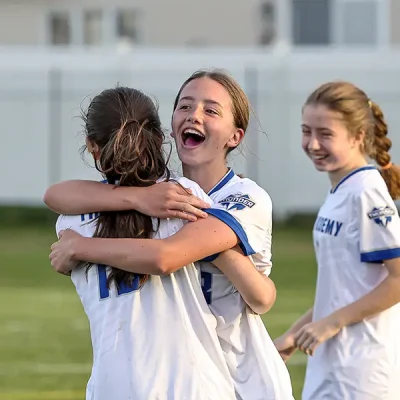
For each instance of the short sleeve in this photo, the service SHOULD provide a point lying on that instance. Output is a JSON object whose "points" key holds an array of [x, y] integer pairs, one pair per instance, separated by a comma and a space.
{"points": [[60, 224], [67, 222], [247, 210], [379, 228], [201, 194]]}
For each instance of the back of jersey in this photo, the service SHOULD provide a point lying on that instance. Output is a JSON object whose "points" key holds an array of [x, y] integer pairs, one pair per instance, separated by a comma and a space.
{"points": [[157, 342]]}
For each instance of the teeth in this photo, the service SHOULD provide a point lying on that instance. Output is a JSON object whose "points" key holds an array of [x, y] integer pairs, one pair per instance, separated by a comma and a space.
{"points": [[193, 132]]}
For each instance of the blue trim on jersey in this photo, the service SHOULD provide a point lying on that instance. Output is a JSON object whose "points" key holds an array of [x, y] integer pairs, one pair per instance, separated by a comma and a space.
{"points": [[231, 221], [228, 176], [379, 256], [211, 258], [206, 285], [366, 168], [89, 216]]}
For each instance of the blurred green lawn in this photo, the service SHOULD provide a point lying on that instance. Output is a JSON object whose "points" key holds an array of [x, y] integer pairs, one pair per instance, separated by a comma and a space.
{"points": [[45, 351]]}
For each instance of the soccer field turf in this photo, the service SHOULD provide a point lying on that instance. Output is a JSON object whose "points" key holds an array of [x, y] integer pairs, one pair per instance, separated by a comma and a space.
{"points": [[44, 341]]}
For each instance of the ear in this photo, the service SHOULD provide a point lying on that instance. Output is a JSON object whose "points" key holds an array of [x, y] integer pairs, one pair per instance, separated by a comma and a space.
{"points": [[236, 138], [93, 149], [359, 139]]}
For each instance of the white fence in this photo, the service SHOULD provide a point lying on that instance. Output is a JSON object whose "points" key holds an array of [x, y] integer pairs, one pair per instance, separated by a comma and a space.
{"points": [[41, 94]]}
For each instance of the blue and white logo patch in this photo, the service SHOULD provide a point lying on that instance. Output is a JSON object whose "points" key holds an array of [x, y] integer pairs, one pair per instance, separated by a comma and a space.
{"points": [[237, 202], [381, 215]]}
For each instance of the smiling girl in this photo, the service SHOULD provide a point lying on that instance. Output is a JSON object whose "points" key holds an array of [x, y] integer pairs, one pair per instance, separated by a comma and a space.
{"points": [[352, 332]]}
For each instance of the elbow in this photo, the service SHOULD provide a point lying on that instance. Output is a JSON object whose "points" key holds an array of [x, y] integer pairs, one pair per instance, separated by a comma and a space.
{"points": [[48, 198], [163, 262], [163, 267], [52, 198], [262, 307], [264, 303]]}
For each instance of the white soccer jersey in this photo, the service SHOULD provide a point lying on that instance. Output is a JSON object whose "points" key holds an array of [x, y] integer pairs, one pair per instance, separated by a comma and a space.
{"points": [[154, 343], [254, 363], [356, 229]]}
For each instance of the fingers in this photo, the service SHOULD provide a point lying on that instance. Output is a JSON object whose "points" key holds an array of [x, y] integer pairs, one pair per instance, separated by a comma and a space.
{"points": [[312, 347], [189, 209], [286, 354], [306, 342], [182, 215], [300, 342], [55, 264], [182, 209], [186, 196], [279, 344], [309, 348], [196, 202], [300, 338]]}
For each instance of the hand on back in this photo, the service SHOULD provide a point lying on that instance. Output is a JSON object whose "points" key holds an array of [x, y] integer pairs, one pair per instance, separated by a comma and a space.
{"points": [[171, 200]]}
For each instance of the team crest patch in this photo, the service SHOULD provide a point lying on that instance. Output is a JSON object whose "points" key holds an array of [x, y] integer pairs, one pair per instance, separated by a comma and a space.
{"points": [[381, 215], [237, 202]]}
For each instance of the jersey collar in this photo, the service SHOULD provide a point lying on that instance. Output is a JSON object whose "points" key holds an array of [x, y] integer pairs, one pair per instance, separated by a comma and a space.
{"points": [[228, 176], [366, 168]]}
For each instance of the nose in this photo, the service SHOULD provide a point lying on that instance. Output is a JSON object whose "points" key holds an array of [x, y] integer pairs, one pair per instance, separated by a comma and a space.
{"points": [[313, 143], [194, 116]]}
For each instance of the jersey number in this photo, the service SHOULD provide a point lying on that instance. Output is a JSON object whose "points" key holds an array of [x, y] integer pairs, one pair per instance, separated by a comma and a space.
{"points": [[206, 286], [123, 288]]}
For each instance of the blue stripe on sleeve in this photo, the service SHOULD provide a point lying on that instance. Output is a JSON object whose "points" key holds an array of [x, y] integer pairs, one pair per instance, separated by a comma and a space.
{"points": [[231, 221], [379, 256]]}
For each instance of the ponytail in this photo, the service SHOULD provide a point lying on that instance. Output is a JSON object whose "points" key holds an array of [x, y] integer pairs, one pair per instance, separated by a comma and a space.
{"points": [[381, 146], [125, 125], [132, 157]]}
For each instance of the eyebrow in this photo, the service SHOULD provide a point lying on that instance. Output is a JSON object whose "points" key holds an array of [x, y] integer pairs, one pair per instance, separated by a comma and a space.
{"points": [[205, 101], [319, 128]]}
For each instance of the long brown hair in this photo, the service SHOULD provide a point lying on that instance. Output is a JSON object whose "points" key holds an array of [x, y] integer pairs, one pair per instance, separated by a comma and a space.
{"points": [[361, 115], [125, 125]]}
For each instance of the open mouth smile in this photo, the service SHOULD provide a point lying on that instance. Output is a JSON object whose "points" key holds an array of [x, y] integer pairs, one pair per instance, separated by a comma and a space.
{"points": [[192, 138]]}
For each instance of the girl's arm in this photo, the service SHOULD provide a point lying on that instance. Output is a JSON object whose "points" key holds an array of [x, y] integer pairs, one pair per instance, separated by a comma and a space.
{"points": [[286, 344], [163, 200], [377, 223], [193, 242], [384, 296], [303, 320], [256, 289], [164, 256]]}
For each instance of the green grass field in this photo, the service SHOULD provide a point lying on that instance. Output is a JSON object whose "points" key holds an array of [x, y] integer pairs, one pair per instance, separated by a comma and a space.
{"points": [[45, 351]]}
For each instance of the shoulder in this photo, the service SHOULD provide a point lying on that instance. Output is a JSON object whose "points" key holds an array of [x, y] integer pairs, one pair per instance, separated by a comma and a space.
{"points": [[370, 186], [369, 181], [83, 224], [194, 187], [371, 197], [246, 191]]}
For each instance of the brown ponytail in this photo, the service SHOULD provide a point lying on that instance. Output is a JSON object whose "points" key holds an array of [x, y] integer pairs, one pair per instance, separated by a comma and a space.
{"points": [[380, 152], [125, 125]]}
